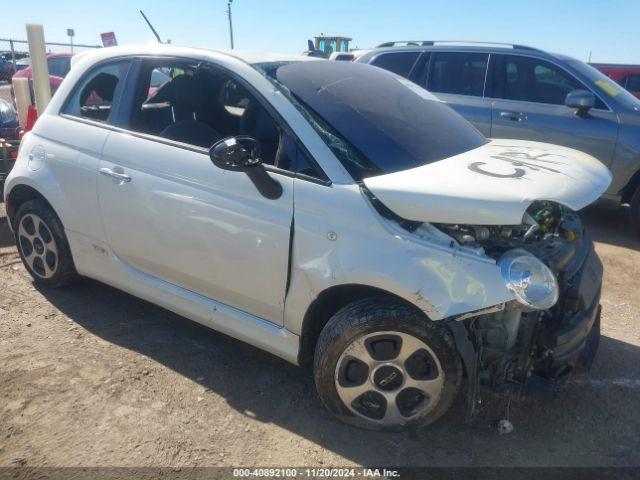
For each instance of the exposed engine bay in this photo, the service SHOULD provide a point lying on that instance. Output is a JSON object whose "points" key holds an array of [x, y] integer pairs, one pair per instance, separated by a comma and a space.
{"points": [[510, 347], [547, 229], [515, 347]]}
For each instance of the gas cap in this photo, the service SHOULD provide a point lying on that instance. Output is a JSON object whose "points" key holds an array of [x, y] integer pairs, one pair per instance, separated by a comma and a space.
{"points": [[37, 156]]}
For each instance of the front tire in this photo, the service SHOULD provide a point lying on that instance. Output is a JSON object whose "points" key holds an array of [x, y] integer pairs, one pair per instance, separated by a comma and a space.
{"points": [[381, 364], [42, 244]]}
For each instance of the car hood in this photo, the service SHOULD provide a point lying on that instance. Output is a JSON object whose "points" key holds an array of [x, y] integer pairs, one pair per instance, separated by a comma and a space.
{"points": [[493, 184]]}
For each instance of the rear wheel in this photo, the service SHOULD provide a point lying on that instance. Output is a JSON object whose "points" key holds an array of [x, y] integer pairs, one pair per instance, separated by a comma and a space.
{"points": [[42, 244], [380, 364]]}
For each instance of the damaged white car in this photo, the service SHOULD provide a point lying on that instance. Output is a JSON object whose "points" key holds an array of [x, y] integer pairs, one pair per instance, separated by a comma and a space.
{"points": [[331, 213]]}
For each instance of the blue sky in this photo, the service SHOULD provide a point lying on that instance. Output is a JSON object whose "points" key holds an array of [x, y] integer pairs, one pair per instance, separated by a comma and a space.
{"points": [[608, 29]]}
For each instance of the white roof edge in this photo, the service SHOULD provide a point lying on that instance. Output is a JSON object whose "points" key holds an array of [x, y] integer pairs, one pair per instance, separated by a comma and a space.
{"points": [[247, 56]]}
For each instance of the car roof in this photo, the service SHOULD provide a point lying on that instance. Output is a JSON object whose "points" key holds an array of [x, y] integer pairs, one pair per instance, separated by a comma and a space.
{"points": [[250, 57], [463, 47]]}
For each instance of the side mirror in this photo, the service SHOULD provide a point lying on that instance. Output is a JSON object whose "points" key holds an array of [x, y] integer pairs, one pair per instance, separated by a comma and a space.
{"points": [[581, 100], [242, 154], [236, 153]]}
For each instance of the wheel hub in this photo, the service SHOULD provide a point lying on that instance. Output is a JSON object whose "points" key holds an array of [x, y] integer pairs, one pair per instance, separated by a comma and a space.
{"points": [[37, 246], [388, 378]]}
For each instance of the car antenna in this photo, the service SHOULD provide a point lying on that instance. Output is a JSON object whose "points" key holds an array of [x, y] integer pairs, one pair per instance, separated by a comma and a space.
{"points": [[151, 26]]}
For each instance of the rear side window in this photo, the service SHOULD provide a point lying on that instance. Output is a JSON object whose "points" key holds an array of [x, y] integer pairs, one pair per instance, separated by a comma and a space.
{"points": [[399, 62], [93, 97], [458, 72]]}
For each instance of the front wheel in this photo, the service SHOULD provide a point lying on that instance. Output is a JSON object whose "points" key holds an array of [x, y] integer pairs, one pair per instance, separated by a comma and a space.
{"points": [[382, 365]]}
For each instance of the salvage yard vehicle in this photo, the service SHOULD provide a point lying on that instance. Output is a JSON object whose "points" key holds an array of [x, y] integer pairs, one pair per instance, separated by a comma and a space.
{"points": [[515, 91], [628, 76], [331, 213]]}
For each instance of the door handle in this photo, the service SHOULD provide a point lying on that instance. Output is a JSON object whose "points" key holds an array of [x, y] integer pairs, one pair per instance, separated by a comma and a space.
{"points": [[514, 116], [107, 172]]}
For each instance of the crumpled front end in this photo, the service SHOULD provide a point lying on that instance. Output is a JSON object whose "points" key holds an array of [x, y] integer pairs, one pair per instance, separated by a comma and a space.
{"points": [[517, 346]]}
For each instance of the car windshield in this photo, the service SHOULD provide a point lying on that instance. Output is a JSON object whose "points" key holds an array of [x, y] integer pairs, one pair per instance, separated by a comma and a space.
{"points": [[605, 86], [374, 121]]}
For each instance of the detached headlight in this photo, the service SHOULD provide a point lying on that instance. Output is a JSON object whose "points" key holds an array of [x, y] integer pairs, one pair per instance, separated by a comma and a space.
{"points": [[531, 281]]}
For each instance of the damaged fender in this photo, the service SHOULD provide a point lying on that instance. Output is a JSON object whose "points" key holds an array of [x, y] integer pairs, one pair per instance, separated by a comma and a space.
{"points": [[330, 249]]}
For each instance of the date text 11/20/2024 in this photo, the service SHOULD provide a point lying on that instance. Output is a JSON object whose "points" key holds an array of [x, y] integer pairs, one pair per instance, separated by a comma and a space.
{"points": [[315, 473]]}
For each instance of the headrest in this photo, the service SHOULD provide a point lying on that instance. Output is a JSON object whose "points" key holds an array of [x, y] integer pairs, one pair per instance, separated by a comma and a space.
{"points": [[103, 84], [187, 93]]}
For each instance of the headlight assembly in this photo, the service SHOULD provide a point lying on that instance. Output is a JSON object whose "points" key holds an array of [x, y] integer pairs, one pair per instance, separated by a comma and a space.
{"points": [[531, 281]]}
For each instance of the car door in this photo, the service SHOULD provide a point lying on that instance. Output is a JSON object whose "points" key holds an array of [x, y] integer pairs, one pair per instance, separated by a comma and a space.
{"points": [[528, 104], [72, 142], [169, 212], [458, 78]]}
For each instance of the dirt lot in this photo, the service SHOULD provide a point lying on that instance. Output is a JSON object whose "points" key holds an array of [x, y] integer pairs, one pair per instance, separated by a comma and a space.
{"points": [[91, 376]]}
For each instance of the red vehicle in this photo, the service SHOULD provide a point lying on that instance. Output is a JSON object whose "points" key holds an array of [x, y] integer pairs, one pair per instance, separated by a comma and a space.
{"points": [[59, 65], [626, 75]]}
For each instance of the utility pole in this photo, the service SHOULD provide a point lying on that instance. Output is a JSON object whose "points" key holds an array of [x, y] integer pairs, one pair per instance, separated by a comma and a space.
{"points": [[230, 23]]}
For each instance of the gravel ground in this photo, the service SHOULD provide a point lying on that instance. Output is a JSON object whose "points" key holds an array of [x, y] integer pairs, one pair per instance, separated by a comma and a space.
{"points": [[90, 376]]}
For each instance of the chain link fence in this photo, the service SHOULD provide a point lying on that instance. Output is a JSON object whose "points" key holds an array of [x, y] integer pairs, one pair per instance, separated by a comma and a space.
{"points": [[14, 56]]}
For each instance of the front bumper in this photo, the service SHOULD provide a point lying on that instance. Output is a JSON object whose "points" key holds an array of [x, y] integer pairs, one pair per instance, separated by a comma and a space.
{"points": [[571, 340]]}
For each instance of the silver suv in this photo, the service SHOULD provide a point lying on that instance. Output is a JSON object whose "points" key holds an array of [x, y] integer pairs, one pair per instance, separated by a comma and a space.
{"points": [[513, 91]]}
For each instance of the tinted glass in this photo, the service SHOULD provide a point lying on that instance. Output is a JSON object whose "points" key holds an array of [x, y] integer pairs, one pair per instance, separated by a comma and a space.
{"points": [[374, 122], [400, 62], [94, 95], [633, 83], [198, 104], [532, 80], [604, 86], [59, 66], [458, 72]]}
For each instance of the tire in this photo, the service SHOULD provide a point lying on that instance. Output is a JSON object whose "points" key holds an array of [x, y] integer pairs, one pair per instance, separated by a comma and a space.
{"points": [[634, 212], [42, 245], [381, 364]]}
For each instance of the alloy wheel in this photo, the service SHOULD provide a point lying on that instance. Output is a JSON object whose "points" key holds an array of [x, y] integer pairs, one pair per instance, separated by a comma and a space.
{"points": [[38, 246], [389, 378]]}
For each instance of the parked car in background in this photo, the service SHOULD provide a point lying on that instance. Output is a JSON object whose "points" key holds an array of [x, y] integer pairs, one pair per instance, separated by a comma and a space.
{"points": [[8, 121], [417, 249], [9, 130], [23, 63], [7, 69], [59, 65], [342, 56], [626, 75], [514, 91]]}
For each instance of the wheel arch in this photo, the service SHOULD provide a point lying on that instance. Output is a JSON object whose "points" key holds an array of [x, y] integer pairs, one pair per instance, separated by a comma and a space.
{"points": [[327, 303], [632, 185], [21, 193]]}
